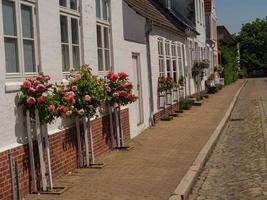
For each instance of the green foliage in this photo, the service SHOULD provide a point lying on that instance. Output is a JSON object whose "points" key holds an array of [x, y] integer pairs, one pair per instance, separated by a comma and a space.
{"points": [[185, 104], [213, 90], [198, 72], [165, 84], [219, 86], [253, 44], [229, 62], [181, 81]]}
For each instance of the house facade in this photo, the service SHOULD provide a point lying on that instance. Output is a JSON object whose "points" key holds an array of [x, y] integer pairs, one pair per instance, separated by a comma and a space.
{"points": [[146, 39]]}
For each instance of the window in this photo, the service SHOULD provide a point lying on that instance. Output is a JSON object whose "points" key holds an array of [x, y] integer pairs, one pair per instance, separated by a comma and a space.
{"points": [[69, 4], [161, 58], [19, 38], [103, 35], [174, 61], [180, 60], [70, 34]]}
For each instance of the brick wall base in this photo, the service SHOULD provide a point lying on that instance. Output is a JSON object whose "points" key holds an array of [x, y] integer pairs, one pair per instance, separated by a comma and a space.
{"points": [[63, 150], [169, 110]]}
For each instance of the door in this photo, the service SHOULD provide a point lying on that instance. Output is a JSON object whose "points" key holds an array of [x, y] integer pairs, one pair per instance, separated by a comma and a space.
{"points": [[137, 81]]}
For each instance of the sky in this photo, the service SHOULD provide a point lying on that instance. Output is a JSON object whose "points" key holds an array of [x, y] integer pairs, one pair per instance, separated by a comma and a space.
{"points": [[233, 13]]}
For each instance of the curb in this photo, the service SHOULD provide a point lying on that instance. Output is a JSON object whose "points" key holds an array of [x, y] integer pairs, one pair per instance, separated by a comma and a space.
{"points": [[183, 190]]}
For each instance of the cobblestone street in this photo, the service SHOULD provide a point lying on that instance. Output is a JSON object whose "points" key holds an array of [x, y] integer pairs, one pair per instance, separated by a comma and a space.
{"points": [[237, 169]]}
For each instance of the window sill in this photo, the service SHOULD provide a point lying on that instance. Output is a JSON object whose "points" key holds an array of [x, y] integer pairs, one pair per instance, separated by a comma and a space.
{"points": [[12, 86]]}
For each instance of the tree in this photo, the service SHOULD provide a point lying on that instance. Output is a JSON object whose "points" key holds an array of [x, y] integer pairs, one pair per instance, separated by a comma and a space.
{"points": [[253, 44]]}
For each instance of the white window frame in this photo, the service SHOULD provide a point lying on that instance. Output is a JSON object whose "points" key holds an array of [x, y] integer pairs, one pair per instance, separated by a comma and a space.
{"points": [[104, 24], [161, 52], [71, 14], [19, 39], [174, 60]]}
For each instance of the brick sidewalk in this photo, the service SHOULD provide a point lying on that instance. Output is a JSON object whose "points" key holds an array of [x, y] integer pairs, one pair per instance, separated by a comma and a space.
{"points": [[160, 158]]}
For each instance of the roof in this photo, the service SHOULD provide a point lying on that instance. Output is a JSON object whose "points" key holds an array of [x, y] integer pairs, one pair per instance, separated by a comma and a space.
{"points": [[225, 36], [160, 16]]}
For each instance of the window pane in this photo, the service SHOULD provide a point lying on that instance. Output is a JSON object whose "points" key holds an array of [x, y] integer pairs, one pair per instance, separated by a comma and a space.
{"points": [[104, 10], [64, 29], [26, 17], [76, 56], [74, 31], [9, 18], [99, 36], [100, 60], [65, 57], [73, 4], [63, 3], [107, 60], [106, 38], [174, 67], [29, 57], [98, 8], [11, 55]]}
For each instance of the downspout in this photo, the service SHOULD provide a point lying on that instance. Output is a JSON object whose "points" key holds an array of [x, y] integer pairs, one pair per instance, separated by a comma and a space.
{"points": [[148, 29]]}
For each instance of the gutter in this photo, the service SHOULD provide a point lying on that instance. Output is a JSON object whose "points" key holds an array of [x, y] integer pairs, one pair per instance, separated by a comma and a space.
{"points": [[148, 29]]}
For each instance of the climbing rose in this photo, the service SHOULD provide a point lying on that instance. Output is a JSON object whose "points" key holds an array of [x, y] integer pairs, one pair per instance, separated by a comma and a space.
{"points": [[71, 79], [31, 101], [128, 85], [68, 113], [115, 105], [122, 93], [40, 88], [69, 97], [71, 69], [41, 99], [115, 95], [77, 77], [26, 84], [108, 89], [131, 97], [51, 108], [110, 74], [87, 98], [31, 90], [114, 77]]}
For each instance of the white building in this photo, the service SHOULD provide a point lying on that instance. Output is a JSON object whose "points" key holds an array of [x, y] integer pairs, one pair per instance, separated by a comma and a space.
{"points": [[52, 36]]}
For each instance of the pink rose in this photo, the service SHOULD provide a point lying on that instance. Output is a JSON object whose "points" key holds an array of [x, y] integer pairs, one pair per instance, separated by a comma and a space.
{"points": [[131, 97], [87, 98], [123, 93], [49, 85], [102, 79], [77, 77], [26, 84], [115, 105], [63, 89], [51, 108], [123, 75], [40, 88], [74, 88], [81, 112], [31, 90], [71, 69], [61, 109], [68, 113], [68, 98], [128, 85], [41, 99], [31, 101], [47, 78], [115, 95], [108, 89]]}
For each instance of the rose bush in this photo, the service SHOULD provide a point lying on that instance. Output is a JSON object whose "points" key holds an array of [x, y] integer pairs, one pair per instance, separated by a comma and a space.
{"points": [[81, 96], [119, 91], [36, 93], [165, 84]]}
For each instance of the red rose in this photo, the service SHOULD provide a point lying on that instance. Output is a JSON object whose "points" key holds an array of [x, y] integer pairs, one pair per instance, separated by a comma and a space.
{"points": [[51, 108], [131, 97], [49, 85], [120, 87], [128, 85], [61, 109], [110, 74], [69, 97], [41, 99], [123, 93], [123, 75], [40, 88], [31, 100], [114, 77], [27, 84]]}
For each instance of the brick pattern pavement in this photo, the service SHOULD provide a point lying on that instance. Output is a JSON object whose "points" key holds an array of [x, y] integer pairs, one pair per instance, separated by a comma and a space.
{"points": [[160, 158], [237, 169]]}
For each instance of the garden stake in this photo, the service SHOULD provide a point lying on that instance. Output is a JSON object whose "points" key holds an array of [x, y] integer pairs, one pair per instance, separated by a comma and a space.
{"points": [[17, 180], [12, 176], [117, 128], [85, 130], [40, 148], [110, 109], [31, 154], [46, 144], [80, 157]]}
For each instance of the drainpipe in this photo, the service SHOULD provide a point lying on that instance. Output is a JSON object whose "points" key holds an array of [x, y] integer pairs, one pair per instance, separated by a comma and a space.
{"points": [[148, 29]]}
